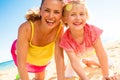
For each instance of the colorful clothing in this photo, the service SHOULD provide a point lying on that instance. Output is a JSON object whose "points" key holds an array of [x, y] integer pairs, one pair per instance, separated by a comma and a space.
{"points": [[38, 57], [13, 52], [91, 34]]}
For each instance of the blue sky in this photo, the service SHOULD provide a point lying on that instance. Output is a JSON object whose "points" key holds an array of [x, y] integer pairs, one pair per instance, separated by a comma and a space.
{"points": [[104, 14], [12, 14]]}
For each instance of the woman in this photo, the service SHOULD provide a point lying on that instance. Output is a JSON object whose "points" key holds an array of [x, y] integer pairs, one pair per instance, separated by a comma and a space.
{"points": [[38, 40]]}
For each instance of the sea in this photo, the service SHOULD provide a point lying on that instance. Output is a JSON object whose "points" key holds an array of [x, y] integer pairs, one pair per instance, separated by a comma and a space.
{"points": [[7, 65]]}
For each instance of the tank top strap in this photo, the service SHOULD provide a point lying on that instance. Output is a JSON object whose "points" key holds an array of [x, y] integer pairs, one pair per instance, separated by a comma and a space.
{"points": [[60, 26], [32, 30]]}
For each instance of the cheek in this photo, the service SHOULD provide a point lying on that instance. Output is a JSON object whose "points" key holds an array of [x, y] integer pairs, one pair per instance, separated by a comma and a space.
{"points": [[42, 14], [70, 19], [85, 19], [59, 16]]}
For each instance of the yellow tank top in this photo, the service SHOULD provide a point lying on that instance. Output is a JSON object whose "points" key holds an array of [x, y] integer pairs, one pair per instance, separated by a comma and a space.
{"points": [[41, 55]]}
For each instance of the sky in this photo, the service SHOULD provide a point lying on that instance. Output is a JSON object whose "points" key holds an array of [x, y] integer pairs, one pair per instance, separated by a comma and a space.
{"points": [[104, 14]]}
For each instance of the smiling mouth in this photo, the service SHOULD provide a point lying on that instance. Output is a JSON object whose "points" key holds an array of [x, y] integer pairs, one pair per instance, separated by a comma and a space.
{"points": [[50, 22], [77, 23]]}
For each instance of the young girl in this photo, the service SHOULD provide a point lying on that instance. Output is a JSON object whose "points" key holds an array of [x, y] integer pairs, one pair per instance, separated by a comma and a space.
{"points": [[38, 40], [81, 38]]}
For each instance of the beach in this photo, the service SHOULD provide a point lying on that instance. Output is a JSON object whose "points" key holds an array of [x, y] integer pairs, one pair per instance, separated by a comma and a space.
{"points": [[94, 73]]}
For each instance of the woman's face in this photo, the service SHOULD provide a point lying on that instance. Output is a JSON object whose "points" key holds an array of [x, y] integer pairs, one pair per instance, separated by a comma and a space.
{"points": [[51, 13]]}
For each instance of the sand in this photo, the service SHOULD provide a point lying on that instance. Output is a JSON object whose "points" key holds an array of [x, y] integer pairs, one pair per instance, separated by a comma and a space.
{"points": [[94, 73]]}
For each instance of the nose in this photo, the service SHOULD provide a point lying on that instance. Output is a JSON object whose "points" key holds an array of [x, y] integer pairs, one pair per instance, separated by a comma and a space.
{"points": [[78, 17], [51, 15]]}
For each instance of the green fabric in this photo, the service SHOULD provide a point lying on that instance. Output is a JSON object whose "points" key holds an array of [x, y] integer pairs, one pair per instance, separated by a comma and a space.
{"points": [[17, 77]]}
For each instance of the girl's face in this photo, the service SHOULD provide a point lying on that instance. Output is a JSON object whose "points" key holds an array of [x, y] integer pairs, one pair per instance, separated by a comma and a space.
{"points": [[76, 18], [51, 13]]}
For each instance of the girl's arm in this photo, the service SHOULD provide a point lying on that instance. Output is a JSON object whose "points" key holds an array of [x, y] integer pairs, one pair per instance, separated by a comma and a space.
{"points": [[22, 50], [103, 59], [59, 58], [75, 62], [102, 56]]}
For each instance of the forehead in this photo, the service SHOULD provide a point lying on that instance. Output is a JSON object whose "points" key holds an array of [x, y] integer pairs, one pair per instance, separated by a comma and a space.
{"points": [[78, 7], [52, 4]]}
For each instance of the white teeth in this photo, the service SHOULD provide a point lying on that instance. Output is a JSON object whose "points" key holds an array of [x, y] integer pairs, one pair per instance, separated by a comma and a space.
{"points": [[50, 21]]}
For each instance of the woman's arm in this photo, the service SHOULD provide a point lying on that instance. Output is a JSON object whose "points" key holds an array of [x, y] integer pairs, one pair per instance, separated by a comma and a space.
{"points": [[75, 62], [22, 50], [59, 58]]}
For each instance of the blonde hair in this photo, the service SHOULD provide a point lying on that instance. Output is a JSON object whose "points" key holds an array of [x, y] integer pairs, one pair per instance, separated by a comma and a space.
{"points": [[33, 14], [68, 7]]}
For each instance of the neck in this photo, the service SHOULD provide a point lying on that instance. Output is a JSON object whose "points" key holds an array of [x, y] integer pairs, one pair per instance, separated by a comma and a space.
{"points": [[43, 29], [77, 33]]}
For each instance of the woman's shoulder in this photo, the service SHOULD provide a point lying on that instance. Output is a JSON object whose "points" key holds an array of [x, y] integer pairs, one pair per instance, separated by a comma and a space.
{"points": [[25, 26], [24, 31]]}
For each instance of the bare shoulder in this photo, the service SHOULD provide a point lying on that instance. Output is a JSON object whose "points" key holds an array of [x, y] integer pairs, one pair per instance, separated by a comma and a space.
{"points": [[60, 33], [25, 26], [24, 30], [62, 30], [58, 40]]}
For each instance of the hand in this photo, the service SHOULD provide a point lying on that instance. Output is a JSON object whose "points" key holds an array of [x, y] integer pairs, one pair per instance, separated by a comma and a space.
{"points": [[114, 77]]}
